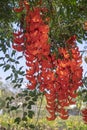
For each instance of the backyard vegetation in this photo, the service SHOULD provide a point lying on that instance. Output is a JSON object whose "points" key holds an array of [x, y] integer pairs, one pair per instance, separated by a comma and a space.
{"points": [[39, 47], [72, 123]]}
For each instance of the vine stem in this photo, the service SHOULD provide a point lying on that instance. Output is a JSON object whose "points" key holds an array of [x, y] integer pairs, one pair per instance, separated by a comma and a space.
{"points": [[39, 112]]}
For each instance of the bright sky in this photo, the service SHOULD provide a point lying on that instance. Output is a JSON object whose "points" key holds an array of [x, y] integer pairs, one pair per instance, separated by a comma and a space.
{"points": [[83, 47]]}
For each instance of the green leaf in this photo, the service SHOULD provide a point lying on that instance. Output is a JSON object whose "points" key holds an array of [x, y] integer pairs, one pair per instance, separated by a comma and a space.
{"points": [[12, 60], [20, 94], [2, 58], [8, 44], [32, 93], [7, 67], [27, 98], [24, 118], [19, 57], [35, 98], [20, 80], [13, 108], [30, 114], [80, 41], [17, 120], [17, 85], [13, 53], [8, 77], [1, 65], [29, 106], [85, 99], [21, 68], [21, 72], [12, 98], [13, 81], [25, 91], [4, 49], [31, 126], [16, 62], [8, 98], [7, 105], [6, 55], [24, 104], [31, 103], [25, 114]]}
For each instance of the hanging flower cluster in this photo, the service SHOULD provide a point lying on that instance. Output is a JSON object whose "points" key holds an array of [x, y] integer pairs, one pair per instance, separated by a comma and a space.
{"points": [[84, 114], [58, 78], [66, 78]]}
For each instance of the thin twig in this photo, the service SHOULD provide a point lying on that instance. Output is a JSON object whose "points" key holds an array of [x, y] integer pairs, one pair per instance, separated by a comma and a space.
{"points": [[39, 112]]}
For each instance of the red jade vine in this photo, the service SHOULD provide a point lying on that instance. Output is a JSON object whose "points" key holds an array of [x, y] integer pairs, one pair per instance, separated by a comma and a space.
{"points": [[84, 115], [58, 78]]}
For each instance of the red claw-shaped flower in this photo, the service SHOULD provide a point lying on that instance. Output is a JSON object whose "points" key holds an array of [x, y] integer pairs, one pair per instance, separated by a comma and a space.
{"points": [[84, 115], [59, 78]]}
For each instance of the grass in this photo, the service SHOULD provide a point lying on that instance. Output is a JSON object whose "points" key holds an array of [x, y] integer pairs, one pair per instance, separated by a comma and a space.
{"points": [[73, 123]]}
